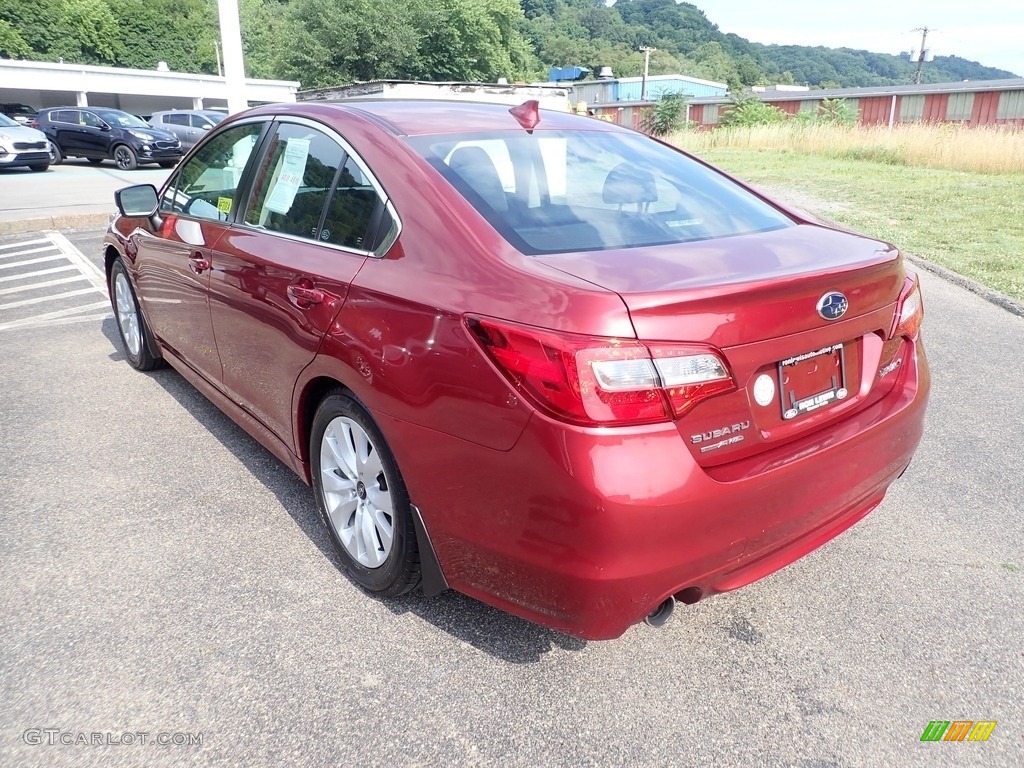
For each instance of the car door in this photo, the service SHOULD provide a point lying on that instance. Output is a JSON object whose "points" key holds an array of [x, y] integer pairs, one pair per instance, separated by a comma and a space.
{"points": [[94, 135], [283, 272], [179, 126], [174, 263], [66, 126]]}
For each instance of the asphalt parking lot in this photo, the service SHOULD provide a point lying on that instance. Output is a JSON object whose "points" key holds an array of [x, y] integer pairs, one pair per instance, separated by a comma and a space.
{"points": [[164, 575]]}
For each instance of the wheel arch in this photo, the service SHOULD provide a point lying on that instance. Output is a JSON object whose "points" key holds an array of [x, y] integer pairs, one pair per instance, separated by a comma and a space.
{"points": [[307, 399]]}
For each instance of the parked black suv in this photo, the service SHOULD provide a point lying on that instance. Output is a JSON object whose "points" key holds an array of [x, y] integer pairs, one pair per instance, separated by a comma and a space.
{"points": [[99, 134]]}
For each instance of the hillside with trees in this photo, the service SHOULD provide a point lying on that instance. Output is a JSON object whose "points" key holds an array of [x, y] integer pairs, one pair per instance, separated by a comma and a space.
{"points": [[326, 42]]}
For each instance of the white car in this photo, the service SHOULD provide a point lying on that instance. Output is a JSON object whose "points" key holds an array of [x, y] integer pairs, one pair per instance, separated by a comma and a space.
{"points": [[21, 145]]}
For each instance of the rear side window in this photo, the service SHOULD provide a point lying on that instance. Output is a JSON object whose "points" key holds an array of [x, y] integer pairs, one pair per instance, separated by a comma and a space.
{"points": [[207, 185], [176, 119], [294, 181], [65, 116], [352, 209], [557, 192]]}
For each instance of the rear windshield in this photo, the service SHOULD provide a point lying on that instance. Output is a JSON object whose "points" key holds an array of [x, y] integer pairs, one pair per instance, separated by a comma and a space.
{"points": [[555, 192]]}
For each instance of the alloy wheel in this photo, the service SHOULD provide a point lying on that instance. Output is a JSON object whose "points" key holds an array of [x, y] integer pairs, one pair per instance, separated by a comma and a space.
{"points": [[123, 158], [127, 315], [356, 492]]}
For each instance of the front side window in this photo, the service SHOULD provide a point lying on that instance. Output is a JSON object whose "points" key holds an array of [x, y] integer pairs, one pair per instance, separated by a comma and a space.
{"points": [[294, 181], [206, 121], [558, 192], [207, 185], [89, 119]]}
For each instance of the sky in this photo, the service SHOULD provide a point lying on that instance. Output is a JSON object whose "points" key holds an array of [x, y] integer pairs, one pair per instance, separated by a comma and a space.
{"points": [[987, 31]]}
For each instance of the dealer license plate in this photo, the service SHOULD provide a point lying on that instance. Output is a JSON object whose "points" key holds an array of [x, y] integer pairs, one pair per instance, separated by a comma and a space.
{"points": [[812, 380]]}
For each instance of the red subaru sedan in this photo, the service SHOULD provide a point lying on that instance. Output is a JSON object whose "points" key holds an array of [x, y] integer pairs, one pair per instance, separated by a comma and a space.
{"points": [[537, 358]]}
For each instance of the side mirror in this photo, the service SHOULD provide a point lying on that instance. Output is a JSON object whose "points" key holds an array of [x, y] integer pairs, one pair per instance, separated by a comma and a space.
{"points": [[139, 201], [207, 127], [104, 127]]}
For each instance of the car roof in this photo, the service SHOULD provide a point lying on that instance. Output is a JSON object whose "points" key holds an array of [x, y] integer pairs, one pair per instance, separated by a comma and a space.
{"points": [[419, 117], [187, 112]]}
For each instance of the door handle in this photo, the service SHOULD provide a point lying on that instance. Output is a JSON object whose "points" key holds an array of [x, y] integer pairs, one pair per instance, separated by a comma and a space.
{"points": [[198, 263], [305, 296]]}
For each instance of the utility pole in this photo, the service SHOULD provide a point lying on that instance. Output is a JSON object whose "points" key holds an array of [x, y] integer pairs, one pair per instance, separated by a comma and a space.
{"points": [[921, 53], [647, 63]]}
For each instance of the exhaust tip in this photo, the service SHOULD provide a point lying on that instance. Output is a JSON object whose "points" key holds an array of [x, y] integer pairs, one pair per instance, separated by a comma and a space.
{"points": [[660, 615]]}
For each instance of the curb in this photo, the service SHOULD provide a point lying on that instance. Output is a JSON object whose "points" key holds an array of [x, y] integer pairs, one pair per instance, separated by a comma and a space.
{"points": [[59, 223], [1010, 304]]}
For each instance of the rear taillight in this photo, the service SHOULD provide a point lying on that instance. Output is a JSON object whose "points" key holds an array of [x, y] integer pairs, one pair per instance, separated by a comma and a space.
{"points": [[910, 310], [599, 381]]}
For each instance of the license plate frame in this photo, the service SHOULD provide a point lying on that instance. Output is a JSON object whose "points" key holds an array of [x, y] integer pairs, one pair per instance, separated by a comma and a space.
{"points": [[811, 381]]}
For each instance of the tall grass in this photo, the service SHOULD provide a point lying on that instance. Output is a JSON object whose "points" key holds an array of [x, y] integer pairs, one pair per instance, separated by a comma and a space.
{"points": [[984, 149]]}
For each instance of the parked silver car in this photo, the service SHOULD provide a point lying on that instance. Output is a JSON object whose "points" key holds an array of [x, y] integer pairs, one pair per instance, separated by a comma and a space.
{"points": [[189, 125], [21, 146]]}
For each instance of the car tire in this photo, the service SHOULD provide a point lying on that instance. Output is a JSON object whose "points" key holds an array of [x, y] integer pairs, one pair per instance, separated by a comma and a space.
{"points": [[168, 163], [56, 156], [40, 167], [362, 498], [125, 157], [131, 325], [95, 160]]}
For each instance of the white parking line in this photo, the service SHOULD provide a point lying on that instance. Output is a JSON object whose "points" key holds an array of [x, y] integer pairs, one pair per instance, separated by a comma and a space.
{"points": [[43, 299], [27, 262], [54, 247], [37, 273], [27, 251], [23, 243], [77, 258], [60, 313], [44, 284]]}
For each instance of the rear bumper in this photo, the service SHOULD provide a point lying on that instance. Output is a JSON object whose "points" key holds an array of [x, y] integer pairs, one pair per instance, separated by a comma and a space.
{"points": [[586, 531]]}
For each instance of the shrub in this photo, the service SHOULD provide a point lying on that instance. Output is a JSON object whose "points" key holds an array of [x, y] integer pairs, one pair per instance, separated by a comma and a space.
{"points": [[666, 116], [749, 110]]}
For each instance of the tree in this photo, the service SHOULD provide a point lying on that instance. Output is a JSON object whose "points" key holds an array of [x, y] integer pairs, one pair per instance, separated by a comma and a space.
{"points": [[187, 45], [12, 45], [89, 33]]}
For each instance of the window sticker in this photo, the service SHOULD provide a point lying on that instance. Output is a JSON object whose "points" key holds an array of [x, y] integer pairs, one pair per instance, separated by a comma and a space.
{"points": [[224, 205], [287, 184]]}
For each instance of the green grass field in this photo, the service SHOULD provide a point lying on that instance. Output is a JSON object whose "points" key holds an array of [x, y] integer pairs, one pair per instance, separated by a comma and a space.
{"points": [[972, 223]]}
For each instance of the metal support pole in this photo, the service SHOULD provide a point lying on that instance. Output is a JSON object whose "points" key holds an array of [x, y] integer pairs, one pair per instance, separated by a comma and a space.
{"points": [[234, 67]]}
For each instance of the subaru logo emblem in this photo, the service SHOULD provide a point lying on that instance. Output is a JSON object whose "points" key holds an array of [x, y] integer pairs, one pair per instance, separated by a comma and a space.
{"points": [[832, 305]]}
